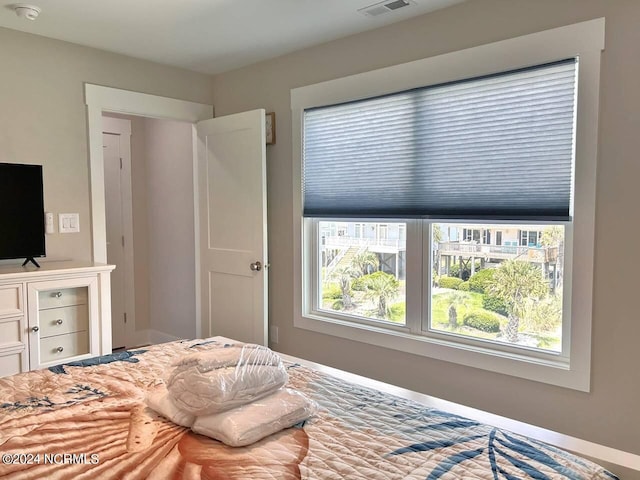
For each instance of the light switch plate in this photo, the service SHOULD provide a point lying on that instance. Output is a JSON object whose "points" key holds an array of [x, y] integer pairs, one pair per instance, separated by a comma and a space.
{"points": [[48, 222], [69, 222], [273, 334]]}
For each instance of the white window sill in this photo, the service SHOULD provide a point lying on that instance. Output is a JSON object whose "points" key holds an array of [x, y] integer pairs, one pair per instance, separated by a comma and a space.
{"points": [[554, 371]]}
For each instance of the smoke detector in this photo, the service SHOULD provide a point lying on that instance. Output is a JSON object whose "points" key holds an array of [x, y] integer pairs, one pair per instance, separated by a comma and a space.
{"points": [[30, 12], [387, 6]]}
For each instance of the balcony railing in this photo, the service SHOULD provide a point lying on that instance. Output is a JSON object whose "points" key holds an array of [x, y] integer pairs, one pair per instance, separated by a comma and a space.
{"points": [[540, 254], [346, 241]]}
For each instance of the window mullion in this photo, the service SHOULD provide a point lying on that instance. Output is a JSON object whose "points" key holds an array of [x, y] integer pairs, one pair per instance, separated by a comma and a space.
{"points": [[414, 292], [427, 266]]}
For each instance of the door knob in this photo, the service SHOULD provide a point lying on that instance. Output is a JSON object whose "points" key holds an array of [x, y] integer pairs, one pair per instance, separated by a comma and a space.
{"points": [[35, 329], [256, 266]]}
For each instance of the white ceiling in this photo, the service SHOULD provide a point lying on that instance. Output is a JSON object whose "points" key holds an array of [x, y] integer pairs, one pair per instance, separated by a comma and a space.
{"points": [[209, 36]]}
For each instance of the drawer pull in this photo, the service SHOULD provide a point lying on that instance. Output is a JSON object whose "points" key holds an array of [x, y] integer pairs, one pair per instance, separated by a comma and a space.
{"points": [[59, 321], [60, 349], [35, 329], [57, 294]]}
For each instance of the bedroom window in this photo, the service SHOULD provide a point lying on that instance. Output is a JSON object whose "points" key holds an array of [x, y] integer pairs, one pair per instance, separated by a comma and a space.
{"points": [[503, 293], [362, 274], [465, 195]]}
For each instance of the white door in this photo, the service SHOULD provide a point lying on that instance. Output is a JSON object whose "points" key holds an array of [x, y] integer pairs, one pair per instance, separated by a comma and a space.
{"points": [[117, 181], [233, 226]]}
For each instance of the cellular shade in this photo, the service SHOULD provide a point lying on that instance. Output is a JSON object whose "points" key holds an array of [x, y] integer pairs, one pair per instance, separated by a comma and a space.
{"points": [[498, 146]]}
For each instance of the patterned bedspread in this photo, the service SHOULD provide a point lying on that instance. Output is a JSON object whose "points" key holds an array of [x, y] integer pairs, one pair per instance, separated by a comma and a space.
{"points": [[88, 421]]}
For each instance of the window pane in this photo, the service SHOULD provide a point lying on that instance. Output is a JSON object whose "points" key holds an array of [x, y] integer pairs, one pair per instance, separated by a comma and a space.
{"points": [[363, 270], [509, 290]]}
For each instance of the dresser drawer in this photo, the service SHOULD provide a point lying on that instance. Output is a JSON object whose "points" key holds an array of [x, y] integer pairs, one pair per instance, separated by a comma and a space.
{"points": [[11, 363], [61, 320], [10, 300], [58, 348], [10, 328], [62, 298]]}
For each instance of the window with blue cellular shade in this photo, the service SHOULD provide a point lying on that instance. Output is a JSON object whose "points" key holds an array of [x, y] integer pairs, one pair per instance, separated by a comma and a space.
{"points": [[498, 146]]}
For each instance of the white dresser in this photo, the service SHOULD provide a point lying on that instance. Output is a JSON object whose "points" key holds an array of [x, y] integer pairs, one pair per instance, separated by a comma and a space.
{"points": [[54, 314]]}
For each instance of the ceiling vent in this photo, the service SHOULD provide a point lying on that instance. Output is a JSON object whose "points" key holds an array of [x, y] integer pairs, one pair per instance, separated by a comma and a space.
{"points": [[381, 8]]}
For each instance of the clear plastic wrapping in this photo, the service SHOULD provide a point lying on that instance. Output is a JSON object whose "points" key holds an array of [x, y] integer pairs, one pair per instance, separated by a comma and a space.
{"points": [[158, 400], [252, 422], [216, 380]]}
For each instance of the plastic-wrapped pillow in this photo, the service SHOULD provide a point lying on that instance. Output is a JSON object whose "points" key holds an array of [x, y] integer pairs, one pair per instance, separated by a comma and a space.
{"points": [[159, 401], [221, 379], [252, 422]]}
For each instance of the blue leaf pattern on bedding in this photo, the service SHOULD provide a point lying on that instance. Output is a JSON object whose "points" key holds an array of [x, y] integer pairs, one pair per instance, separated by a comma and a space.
{"points": [[127, 356], [558, 452], [449, 425], [523, 466], [434, 444], [536, 454], [79, 393], [451, 461], [503, 449], [212, 342]]}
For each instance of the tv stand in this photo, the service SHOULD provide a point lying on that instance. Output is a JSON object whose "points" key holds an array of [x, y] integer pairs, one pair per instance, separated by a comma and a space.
{"points": [[51, 315], [32, 260]]}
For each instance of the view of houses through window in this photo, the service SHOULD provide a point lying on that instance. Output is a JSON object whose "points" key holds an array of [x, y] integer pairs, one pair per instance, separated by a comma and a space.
{"points": [[363, 269], [499, 282], [495, 282]]}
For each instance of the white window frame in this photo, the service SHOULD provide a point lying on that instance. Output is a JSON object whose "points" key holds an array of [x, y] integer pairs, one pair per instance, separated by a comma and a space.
{"points": [[584, 40]]}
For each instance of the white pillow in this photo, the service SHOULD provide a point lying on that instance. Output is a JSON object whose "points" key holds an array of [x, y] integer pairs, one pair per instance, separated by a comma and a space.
{"points": [[247, 424], [159, 401], [221, 379]]}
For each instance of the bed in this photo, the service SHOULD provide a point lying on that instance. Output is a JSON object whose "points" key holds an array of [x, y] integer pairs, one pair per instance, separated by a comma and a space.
{"points": [[88, 420]]}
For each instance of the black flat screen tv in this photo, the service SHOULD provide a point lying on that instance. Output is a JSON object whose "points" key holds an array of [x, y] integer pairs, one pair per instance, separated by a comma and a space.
{"points": [[21, 212]]}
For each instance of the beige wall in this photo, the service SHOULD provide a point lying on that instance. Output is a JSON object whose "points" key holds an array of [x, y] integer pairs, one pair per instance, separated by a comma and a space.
{"points": [[609, 414], [140, 213], [43, 116], [163, 227], [171, 233]]}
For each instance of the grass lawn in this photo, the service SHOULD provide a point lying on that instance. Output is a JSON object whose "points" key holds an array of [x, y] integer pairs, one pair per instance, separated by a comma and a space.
{"points": [[442, 300]]}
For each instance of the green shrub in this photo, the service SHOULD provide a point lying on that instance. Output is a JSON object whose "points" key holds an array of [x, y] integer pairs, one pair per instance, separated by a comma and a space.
{"points": [[331, 291], [494, 304], [464, 286], [337, 305], [359, 284], [479, 281], [454, 270], [483, 320], [450, 282]]}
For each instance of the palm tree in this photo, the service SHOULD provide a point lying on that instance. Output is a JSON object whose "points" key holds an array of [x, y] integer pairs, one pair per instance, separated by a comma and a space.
{"points": [[344, 275], [552, 236], [516, 282], [365, 261], [456, 299], [383, 287]]}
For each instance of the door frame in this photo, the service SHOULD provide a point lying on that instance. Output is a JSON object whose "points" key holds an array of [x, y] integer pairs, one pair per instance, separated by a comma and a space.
{"points": [[98, 100], [122, 128]]}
